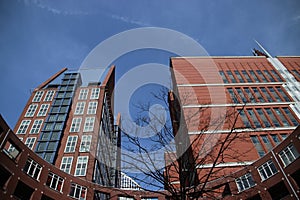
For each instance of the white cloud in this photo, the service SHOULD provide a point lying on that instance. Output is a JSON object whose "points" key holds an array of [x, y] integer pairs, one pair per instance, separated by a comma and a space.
{"points": [[130, 21]]}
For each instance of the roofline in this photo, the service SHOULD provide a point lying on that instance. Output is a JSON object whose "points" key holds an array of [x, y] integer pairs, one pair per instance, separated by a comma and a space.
{"points": [[51, 78]]}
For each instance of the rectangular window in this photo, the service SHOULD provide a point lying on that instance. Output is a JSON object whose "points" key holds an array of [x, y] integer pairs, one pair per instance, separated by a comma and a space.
{"points": [[267, 142], [231, 77], [257, 145], [223, 76], [30, 142], [279, 79], [282, 94], [23, 126], [249, 94], [36, 126], [267, 74], [92, 108], [81, 165], [85, 143], [258, 95], [238, 75], [263, 117], [245, 74], [11, 149], [253, 75], [32, 169], [232, 95], [267, 170], [55, 182], [71, 144], [267, 95], [78, 191], [275, 139], [75, 126], [66, 164], [79, 108], [95, 93], [241, 94], [254, 118], [43, 110], [244, 118], [83, 94], [38, 96], [262, 77], [31, 110], [290, 116], [288, 155], [272, 116], [89, 124], [49, 95], [282, 117], [274, 94], [244, 182]]}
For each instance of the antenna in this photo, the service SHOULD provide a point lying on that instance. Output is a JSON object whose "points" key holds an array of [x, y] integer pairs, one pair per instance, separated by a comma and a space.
{"points": [[262, 48]]}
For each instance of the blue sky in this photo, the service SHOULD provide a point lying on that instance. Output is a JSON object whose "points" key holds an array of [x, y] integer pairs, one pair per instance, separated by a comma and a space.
{"points": [[39, 37]]}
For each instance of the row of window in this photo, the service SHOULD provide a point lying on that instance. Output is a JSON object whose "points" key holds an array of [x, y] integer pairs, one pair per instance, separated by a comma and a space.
{"points": [[83, 94], [39, 94], [92, 108], [268, 169], [33, 107], [88, 124], [37, 124], [267, 117], [249, 76], [81, 166], [266, 142], [257, 94], [84, 145]]}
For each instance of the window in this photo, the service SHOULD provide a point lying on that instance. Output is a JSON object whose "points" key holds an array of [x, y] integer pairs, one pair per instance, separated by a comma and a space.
{"points": [[276, 76], [258, 95], [232, 95], [283, 136], [43, 110], [254, 118], [288, 155], [32, 169], [95, 93], [31, 110], [71, 144], [81, 165], [257, 145], [290, 116], [49, 95], [23, 191], [267, 74], [231, 77], [89, 124], [275, 139], [30, 142], [244, 118], [92, 107], [75, 126], [241, 94], [66, 163], [249, 94], [282, 117], [85, 143], [238, 75], [262, 77], [267, 170], [36, 126], [55, 182], [263, 117], [253, 75], [23, 126], [267, 142], [11, 150], [78, 191], [272, 117], [79, 108], [244, 182], [83, 94], [282, 94], [223, 77], [38, 96], [267, 95], [274, 94], [245, 74]]}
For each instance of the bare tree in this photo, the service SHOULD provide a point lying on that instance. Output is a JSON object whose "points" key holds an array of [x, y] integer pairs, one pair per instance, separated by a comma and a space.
{"points": [[184, 173]]}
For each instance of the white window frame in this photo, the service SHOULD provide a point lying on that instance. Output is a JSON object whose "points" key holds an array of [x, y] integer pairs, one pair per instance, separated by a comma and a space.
{"points": [[95, 93], [83, 94], [78, 191], [79, 108], [245, 182], [23, 127], [89, 124], [288, 155], [32, 169], [85, 144], [92, 108], [36, 126], [54, 182], [81, 166], [267, 170], [43, 110], [49, 95], [38, 96], [31, 110], [66, 164], [71, 143], [30, 142], [76, 123]]}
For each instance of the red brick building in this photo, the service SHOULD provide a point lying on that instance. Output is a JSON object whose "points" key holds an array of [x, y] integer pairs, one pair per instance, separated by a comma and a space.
{"points": [[228, 112]]}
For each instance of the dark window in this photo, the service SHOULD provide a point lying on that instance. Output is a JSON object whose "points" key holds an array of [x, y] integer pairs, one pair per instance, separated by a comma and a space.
{"points": [[4, 176], [296, 177], [44, 197], [282, 93], [278, 191], [255, 197], [276, 76], [23, 191], [290, 116]]}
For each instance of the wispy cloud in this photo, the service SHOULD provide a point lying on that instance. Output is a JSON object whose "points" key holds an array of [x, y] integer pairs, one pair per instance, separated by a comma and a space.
{"points": [[130, 21], [297, 18]]}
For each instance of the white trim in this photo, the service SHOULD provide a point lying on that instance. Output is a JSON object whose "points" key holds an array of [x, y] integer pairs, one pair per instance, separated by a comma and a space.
{"points": [[243, 130], [236, 105], [229, 84], [228, 164]]}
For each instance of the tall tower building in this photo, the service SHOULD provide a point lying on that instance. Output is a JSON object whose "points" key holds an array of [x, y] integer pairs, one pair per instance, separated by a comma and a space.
{"points": [[71, 126], [228, 112]]}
